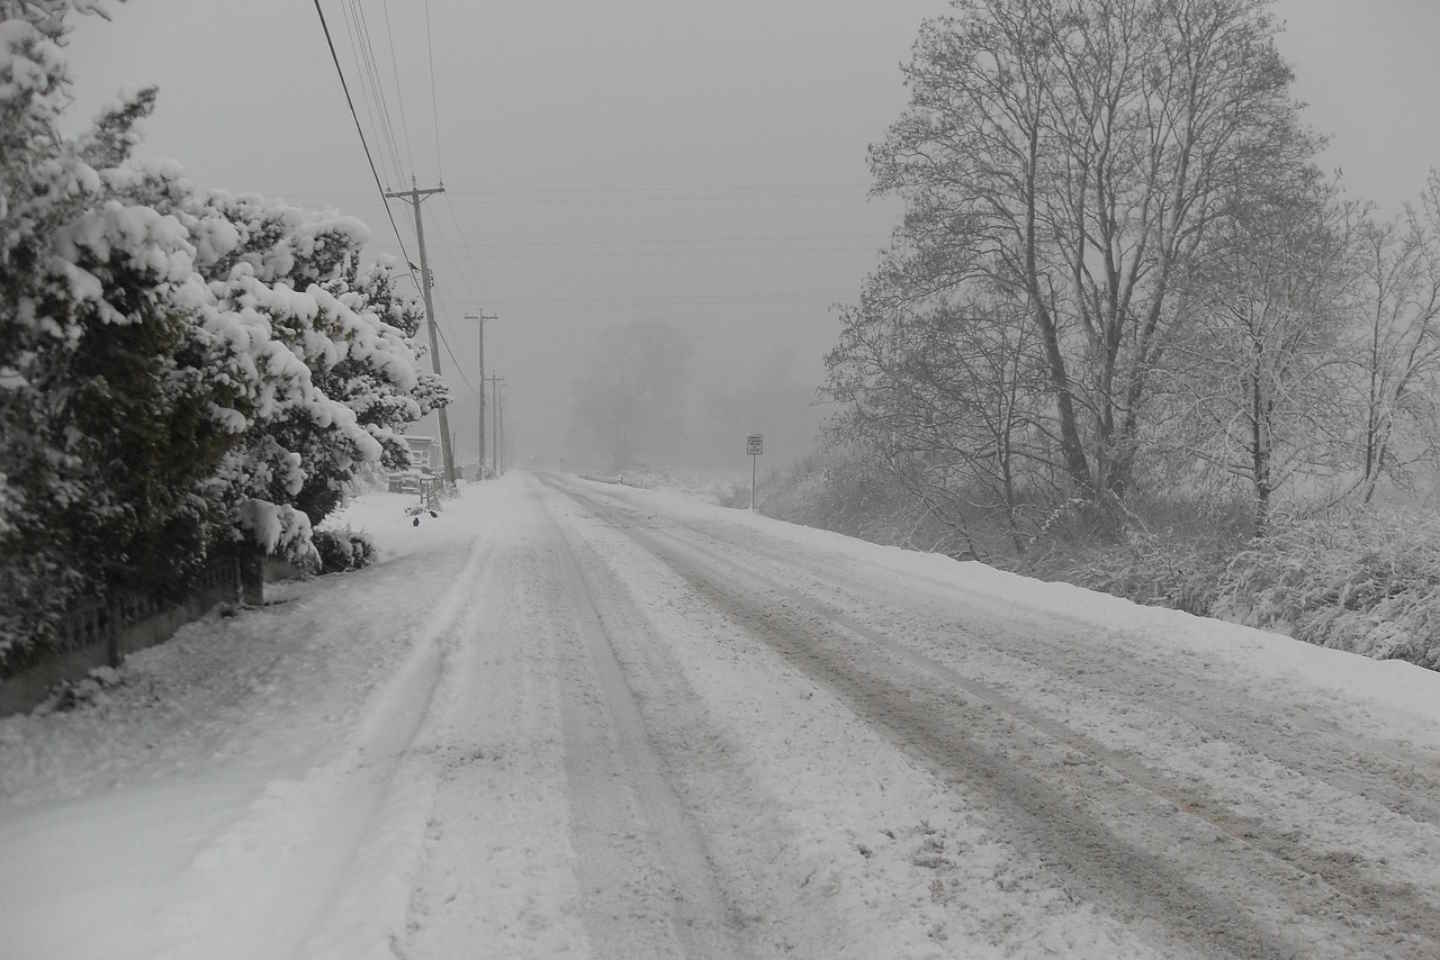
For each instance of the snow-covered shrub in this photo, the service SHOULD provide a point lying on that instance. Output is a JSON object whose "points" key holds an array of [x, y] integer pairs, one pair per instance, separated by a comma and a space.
{"points": [[107, 392], [85, 692], [1367, 583], [297, 275], [1170, 570], [343, 549], [847, 494], [179, 370]]}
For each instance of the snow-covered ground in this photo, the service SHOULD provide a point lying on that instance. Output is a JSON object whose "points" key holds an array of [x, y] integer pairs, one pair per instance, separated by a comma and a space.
{"points": [[576, 719], [714, 485]]}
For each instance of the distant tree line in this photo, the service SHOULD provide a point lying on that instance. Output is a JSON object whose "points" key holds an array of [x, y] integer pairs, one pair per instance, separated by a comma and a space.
{"points": [[181, 371], [1121, 274]]}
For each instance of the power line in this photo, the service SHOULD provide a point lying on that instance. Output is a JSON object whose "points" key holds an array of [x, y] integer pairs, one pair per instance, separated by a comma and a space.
{"points": [[466, 276], [361, 131], [434, 101], [377, 85], [399, 95], [355, 51], [389, 214], [458, 369], [469, 291]]}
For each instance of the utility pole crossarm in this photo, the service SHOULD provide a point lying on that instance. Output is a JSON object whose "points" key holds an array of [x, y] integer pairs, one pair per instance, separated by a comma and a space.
{"points": [[414, 193]]}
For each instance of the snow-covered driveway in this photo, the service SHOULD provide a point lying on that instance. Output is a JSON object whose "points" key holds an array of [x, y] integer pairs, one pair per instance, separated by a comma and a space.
{"points": [[586, 721]]}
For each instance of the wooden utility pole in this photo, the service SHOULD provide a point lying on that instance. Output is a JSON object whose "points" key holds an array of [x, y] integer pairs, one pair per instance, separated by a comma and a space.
{"points": [[414, 196], [495, 423], [482, 317], [500, 433]]}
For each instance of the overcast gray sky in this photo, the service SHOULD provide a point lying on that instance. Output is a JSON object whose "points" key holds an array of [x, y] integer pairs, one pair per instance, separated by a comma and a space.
{"points": [[699, 163]]}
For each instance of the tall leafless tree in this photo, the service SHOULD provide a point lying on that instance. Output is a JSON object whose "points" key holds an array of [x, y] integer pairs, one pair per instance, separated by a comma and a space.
{"points": [[1076, 154], [947, 394], [1397, 343], [1263, 367]]}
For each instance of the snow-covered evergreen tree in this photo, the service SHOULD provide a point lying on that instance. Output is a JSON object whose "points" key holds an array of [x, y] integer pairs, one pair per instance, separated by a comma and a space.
{"points": [[106, 384], [178, 369]]}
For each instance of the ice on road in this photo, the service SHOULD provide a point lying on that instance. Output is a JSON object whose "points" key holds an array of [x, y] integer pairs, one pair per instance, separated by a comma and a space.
{"points": [[568, 719]]}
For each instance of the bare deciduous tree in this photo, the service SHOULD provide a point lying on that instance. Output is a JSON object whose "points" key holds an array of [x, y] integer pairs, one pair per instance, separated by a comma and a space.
{"points": [[1263, 367], [1397, 349], [947, 393], [1076, 154]]}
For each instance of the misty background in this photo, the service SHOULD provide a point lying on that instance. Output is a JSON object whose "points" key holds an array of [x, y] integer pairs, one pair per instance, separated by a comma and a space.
{"points": [[674, 192]]}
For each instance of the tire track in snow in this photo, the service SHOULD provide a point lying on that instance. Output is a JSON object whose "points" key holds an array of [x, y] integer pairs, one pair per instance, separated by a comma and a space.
{"points": [[1363, 771], [1404, 781], [830, 840], [647, 885], [1312, 799], [264, 885], [495, 874], [1406, 907], [805, 632]]}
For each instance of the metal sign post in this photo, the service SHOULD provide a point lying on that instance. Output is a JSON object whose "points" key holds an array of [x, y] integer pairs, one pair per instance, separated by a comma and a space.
{"points": [[755, 447]]}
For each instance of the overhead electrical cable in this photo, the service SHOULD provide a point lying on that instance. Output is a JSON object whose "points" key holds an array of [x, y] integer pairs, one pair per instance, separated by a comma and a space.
{"points": [[378, 103], [434, 100], [345, 87], [399, 97], [391, 175], [454, 267], [464, 245], [378, 85], [458, 369]]}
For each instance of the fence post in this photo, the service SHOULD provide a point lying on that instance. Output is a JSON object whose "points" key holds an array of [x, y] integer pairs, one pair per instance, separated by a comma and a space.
{"points": [[110, 623], [252, 576]]}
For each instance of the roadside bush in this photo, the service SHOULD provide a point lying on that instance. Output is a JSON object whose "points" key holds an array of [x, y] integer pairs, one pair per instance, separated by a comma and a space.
{"points": [[1366, 581], [1361, 582], [1159, 570], [839, 491], [1171, 553], [343, 549]]}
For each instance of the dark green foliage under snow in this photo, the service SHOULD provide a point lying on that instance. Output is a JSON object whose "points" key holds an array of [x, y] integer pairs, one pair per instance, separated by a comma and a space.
{"points": [[343, 549], [182, 372]]}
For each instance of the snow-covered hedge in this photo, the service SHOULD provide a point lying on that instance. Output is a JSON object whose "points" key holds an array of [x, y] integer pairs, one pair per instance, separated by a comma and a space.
{"points": [[181, 370], [1366, 583]]}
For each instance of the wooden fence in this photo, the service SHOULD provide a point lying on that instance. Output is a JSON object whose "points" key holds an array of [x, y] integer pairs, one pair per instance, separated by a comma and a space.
{"points": [[101, 634]]}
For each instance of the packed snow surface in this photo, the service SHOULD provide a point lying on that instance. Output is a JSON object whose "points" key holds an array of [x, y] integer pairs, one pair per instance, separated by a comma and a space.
{"points": [[574, 719]]}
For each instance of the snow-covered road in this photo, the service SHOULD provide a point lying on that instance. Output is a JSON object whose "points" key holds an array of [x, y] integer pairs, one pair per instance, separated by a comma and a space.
{"points": [[571, 719]]}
